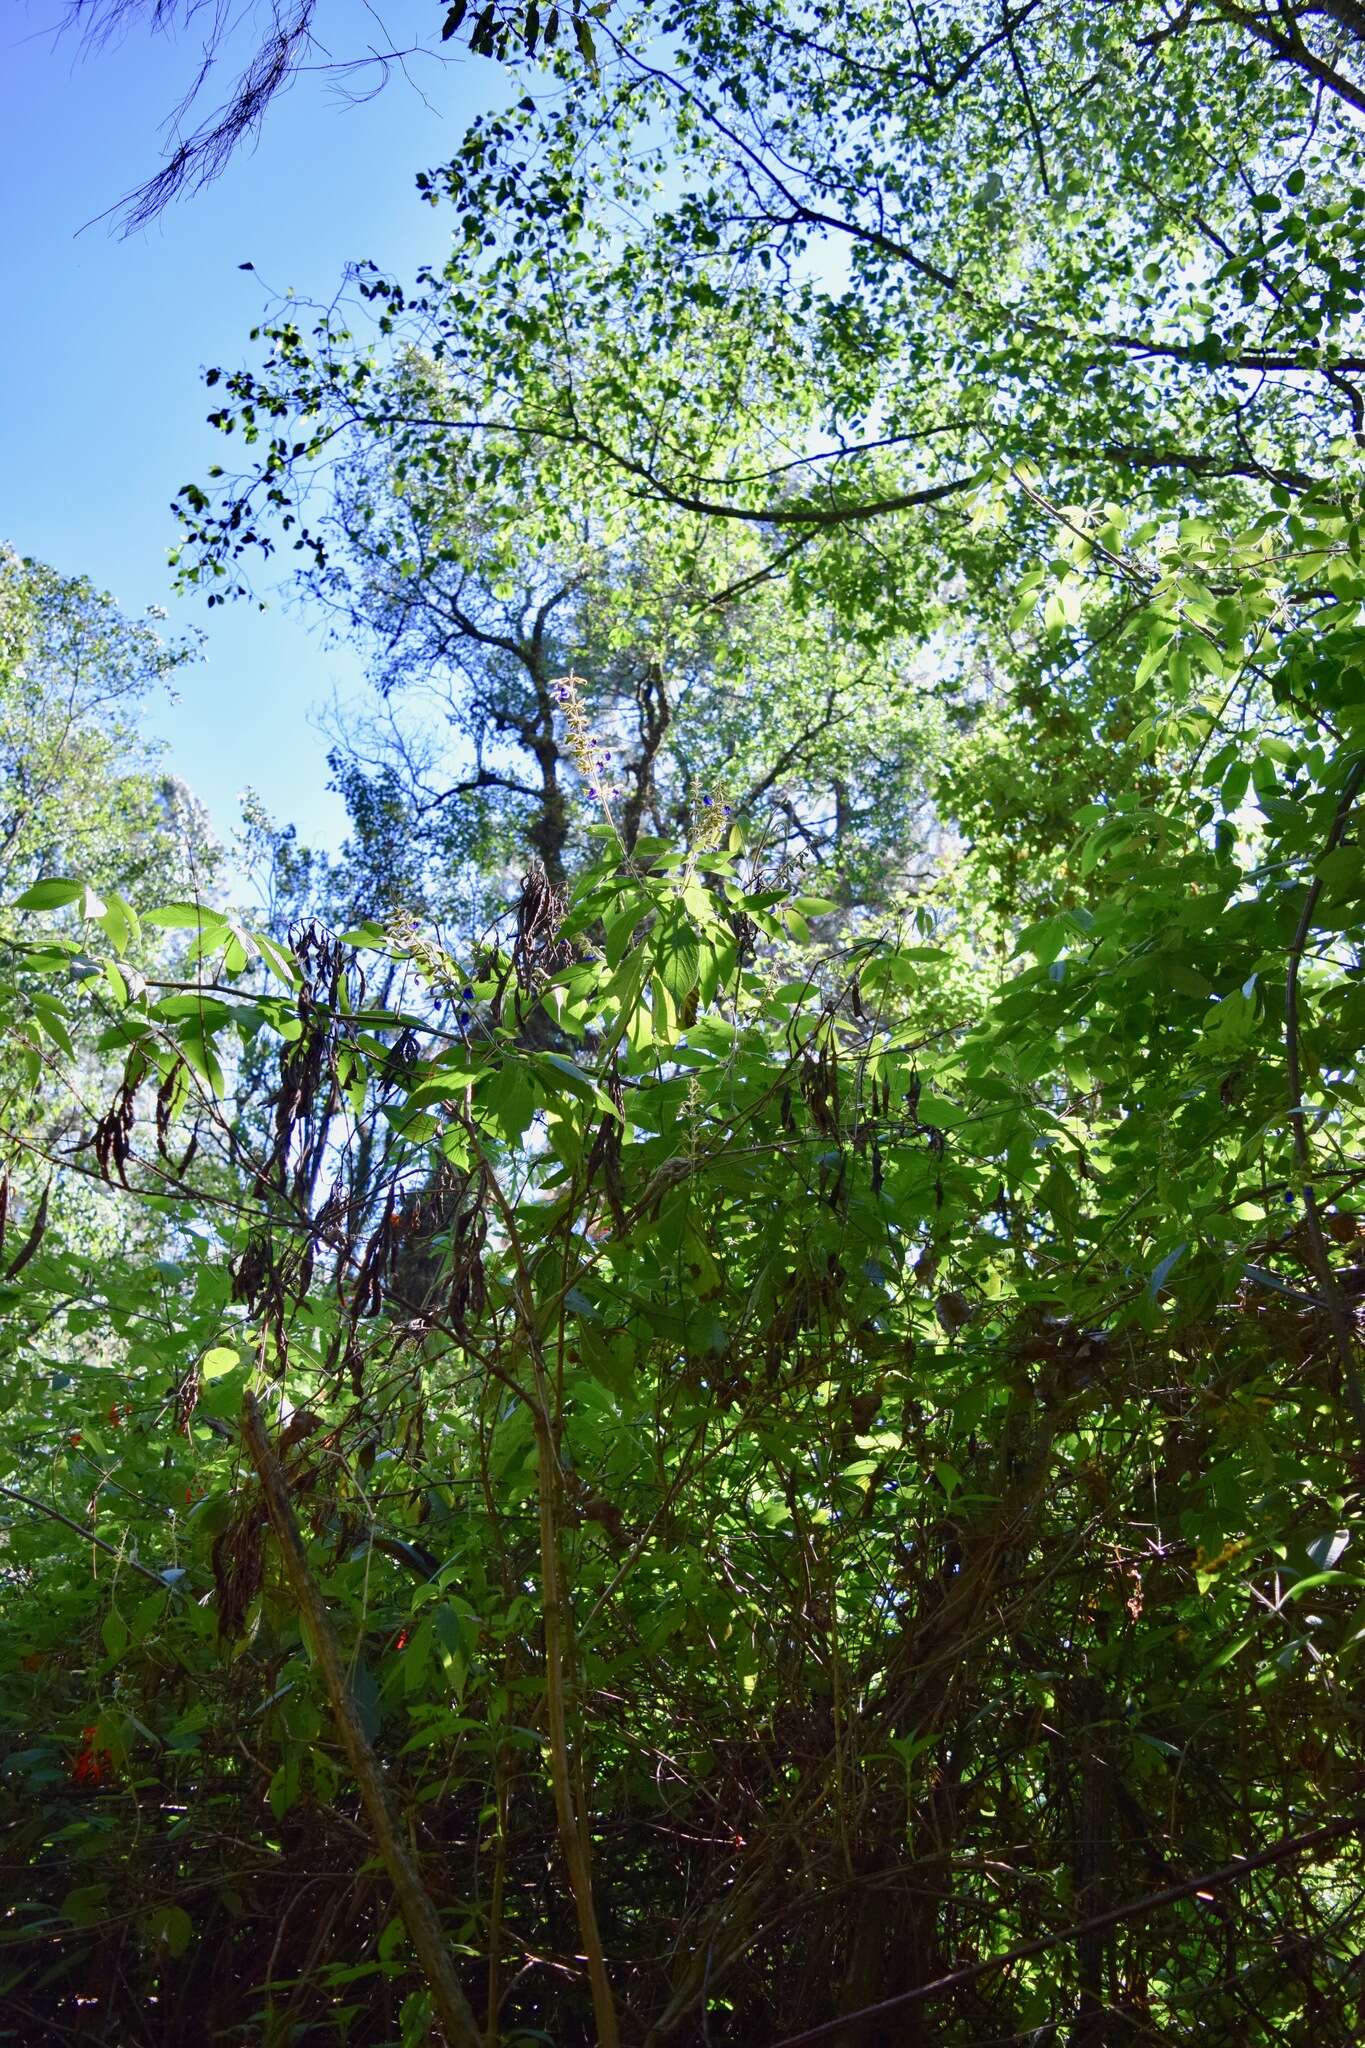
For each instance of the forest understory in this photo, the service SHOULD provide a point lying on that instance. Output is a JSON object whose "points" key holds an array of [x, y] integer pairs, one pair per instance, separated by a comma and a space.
{"points": [[705, 1390]]}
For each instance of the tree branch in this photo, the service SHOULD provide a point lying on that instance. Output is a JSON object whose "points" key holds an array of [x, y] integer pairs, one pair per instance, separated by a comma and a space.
{"points": [[41, 1507], [1209, 1880]]}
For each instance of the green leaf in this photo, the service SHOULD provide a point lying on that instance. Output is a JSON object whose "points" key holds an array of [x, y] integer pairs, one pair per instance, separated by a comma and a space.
{"points": [[676, 954], [222, 1396], [54, 894], [52, 1021], [1163, 1269], [114, 1633], [168, 1927], [505, 1094], [186, 916], [85, 1904], [283, 1789], [1316, 1579], [199, 1054]]}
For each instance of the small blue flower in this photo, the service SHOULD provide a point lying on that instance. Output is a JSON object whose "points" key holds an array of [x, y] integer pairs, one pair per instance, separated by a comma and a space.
{"points": [[466, 995], [707, 801]]}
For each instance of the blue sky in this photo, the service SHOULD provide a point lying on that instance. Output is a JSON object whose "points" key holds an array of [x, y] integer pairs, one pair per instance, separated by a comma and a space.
{"points": [[102, 343]]}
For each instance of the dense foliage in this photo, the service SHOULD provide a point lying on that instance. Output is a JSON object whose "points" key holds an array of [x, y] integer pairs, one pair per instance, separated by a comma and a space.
{"points": [[710, 1390]]}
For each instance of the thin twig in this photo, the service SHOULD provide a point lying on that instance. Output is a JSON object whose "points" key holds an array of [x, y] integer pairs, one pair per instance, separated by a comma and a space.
{"points": [[41, 1507], [1209, 1880]]}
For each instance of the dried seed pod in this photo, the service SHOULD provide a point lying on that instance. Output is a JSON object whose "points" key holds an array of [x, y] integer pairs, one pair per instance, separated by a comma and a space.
{"points": [[238, 1560]]}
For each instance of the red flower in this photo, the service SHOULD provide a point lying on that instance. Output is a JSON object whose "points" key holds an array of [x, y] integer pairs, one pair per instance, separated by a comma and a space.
{"points": [[91, 1766]]}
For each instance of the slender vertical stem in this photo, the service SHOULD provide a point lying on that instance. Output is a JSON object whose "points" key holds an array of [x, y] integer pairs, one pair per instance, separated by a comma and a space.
{"points": [[500, 1804], [1339, 1315], [572, 1829], [419, 1914], [572, 1833]]}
